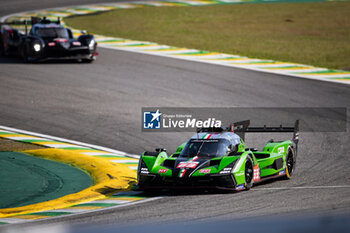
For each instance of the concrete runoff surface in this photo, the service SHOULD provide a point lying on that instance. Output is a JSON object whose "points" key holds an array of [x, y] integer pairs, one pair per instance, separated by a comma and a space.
{"points": [[100, 103], [26, 179]]}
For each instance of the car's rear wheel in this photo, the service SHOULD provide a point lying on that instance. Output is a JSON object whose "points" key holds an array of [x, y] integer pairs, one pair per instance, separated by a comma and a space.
{"points": [[290, 162], [249, 173]]}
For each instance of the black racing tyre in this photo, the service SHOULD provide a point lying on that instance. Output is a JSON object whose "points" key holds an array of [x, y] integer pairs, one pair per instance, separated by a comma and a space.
{"points": [[249, 173], [290, 163]]}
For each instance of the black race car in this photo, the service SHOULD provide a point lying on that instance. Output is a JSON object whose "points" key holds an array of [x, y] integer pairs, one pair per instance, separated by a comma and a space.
{"points": [[46, 40]]}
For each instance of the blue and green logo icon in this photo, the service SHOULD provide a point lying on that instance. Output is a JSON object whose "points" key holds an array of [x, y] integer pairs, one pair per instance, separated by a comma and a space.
{"points": [[152, 120]]}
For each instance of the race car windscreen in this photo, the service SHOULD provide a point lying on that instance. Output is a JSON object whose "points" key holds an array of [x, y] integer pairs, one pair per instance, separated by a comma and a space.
{"points": [[52, 32], [205, 148]]}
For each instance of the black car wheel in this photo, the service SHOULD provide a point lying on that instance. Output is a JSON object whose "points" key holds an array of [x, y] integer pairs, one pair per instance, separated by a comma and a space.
{"points": [[249, 173], [290, 161]]}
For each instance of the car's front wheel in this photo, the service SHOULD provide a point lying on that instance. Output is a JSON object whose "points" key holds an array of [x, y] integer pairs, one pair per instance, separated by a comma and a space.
{"points": [[290, 162], [249, 173]]}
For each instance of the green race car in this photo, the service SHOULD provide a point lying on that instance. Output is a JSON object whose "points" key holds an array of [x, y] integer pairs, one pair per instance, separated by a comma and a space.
{"points": [[218, 158]]}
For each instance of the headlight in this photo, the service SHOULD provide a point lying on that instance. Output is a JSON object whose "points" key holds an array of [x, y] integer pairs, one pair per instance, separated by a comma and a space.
{"points": [[92, 45], [37, 47]]}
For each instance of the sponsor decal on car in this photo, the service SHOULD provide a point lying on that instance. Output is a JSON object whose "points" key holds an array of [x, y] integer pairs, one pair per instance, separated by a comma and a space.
{"points": [[283, 172], [163, 170], [256, 176], [206, 171], [207, 136], [182, 173], [240, 174], [226, 170], [187, 164], [61, 40], [240, 187], [281, 150], [144, 171]]}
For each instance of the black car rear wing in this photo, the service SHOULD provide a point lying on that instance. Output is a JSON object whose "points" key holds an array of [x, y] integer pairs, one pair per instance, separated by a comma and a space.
{"points": [[242, 127], [32, 21]]}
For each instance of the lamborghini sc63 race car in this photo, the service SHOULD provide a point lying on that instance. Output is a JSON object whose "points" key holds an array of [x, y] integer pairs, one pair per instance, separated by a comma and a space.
{"points": [[218, 158], [46, 40]]}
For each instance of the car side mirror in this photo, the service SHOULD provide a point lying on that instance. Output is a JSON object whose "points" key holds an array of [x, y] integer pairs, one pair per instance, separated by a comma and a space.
{"points": [[233, 150]]}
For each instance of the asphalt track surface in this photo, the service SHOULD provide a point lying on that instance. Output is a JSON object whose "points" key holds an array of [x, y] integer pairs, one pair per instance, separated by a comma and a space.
{"points": [[101, 103]]}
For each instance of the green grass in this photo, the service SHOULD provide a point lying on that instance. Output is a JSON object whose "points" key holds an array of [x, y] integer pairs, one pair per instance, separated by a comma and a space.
{"points": [[309, 33]]}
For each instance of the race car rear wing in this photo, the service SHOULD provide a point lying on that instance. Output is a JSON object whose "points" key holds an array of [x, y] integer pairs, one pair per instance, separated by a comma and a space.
{"points": [[242, 127], [32, 21]]}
